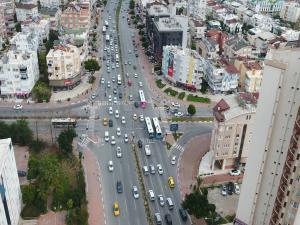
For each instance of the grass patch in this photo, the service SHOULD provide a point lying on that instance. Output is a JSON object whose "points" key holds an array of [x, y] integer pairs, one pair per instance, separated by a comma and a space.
{"points": [[195, 98], [168, 145], [181, 95], [177, 135], [192, 119], [171, 92], [160, 84]]}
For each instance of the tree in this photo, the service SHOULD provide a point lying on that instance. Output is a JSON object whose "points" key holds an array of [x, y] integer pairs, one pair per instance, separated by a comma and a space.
{"points": [[4, 130], [65, 140], [21, 133], [193, 45], [18, 27], [43, 67], [131, 4], [191, 109], [91, 65], [41, 91], [53, 35]]}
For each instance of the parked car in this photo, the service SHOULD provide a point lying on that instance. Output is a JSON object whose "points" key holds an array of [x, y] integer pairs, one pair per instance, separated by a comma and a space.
{"points": [[236, 188], [140, 144], [224, 190], [18, 107], [235, 172], [161, 200], [173, 160], [183, 214], [22, 173], [230, 188]]}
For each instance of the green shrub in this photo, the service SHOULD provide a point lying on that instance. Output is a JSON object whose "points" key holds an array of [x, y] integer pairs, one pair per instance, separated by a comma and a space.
{"points": [[195, 98], [160, 84], [171, 92], [181, 95]]}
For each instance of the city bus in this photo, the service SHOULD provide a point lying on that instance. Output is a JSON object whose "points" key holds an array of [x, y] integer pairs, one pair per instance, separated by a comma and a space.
{"points": [[143, 102], [63, 122], [106, 23], [158, 133], [104, 29], [107, 37], [149, 127], [119, 79]]}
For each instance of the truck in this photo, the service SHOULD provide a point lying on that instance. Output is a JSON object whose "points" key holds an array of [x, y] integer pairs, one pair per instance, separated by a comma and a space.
{"points": [[147, 150], [107, 37]]}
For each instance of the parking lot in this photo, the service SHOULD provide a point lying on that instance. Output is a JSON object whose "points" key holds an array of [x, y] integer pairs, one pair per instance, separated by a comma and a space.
{"points": [[225, 205]]}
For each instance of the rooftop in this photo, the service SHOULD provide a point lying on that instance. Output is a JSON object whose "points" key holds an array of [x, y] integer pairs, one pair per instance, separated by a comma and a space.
{"points": [[168, 24], [25, 6], [236, 43], [235, 105], [158, 10], [252, 65], [48, 11]]}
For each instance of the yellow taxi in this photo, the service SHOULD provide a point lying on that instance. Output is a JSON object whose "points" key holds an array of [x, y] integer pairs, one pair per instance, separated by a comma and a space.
{"points": [[171, 182], [105, 121], [116, 209]]}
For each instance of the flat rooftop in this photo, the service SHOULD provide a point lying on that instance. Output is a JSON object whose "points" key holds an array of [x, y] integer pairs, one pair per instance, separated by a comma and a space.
{"points": [[168, 24], [158, 10]]}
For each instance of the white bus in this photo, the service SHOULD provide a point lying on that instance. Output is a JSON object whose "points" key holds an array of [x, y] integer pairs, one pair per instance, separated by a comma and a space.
{"points": [[119, 79], [143, 102], [157, 129], [107, 37], [106, 23], [104, 29], [149, 127], [63, 122], [117, 57]]}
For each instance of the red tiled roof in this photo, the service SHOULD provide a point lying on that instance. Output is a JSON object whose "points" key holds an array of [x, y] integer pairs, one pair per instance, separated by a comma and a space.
{"points": [[252, 65], [231, 69], [212, 32], [25, 6], [231, 21], [221, 106]]}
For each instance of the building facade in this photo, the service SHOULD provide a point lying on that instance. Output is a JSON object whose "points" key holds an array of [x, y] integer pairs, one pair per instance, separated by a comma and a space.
{"points": [[290, 12], [197, 9], [64, 66], [167, 31], [75, 18], [271, 185], [268, 6], [19, 71], [24, 41], [11, 198], [50, 3], [25, 11], [182, 67], [2, 23], [232, 132], [9, 12]]}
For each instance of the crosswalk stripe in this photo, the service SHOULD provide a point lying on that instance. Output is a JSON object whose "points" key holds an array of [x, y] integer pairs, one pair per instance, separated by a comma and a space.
{"points": [[178, 147]]}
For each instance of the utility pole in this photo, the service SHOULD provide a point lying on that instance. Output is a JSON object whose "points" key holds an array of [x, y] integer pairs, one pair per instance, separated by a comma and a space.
{"points": [[36, 130]]}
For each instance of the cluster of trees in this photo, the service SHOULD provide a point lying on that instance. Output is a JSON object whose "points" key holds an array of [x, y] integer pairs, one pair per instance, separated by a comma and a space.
{"points": [[191, 109], [131, 4], [65, 140], [91, 65], [41, 91]]}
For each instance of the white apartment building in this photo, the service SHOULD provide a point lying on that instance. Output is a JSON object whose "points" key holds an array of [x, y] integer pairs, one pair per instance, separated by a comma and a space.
{"points": [[271, 186], [63, 65], [50, 3], [11, 198], [19, 70], [25, 11], [24, 41], [290, 11], [197, 9], [2, 23], [40, 28], [268, 6], [9, 12], [183, 67], [232, 132]]}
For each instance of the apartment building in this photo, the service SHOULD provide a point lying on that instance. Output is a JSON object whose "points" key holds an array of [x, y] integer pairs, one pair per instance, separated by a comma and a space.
{"points": [[75, 19], [25, 41], [50, 4], [236, 46], [9, 12], [232, 132], [40, 27], [182, 67], [208, 48], [197, 9], [250, 74], [290, 12], [11, 198], [271, 186], [2, 23], [221, 79], [52, 15], [268, 6], [25, 11], [64, 66], [167, 31]]}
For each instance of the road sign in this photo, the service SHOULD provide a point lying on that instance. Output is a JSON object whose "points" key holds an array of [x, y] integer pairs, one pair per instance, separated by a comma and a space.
{"points": [[174, 127]]}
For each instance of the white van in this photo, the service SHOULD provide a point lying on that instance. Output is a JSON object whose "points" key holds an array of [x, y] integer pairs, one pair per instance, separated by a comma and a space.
{"points": [[106, 136], [151, 195], [170, 203], [145, 170], [147, 150]]}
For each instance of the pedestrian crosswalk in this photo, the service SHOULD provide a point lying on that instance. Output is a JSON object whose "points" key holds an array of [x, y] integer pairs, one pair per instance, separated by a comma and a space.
{"points": [[121, 140], [84, 142], [177, 147], [107, 103]]}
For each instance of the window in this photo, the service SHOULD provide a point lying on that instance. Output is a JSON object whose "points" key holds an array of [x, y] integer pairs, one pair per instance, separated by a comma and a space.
{"points": [[295, 205]]}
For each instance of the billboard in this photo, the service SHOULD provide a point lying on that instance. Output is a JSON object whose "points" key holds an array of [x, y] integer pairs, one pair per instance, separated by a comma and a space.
{"points": [[171, 64]]}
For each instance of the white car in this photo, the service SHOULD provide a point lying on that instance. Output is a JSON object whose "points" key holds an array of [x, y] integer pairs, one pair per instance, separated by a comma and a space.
{"points": [[235, 172], [115, 100], [141, 118], [18, 107], [108, 84], [152, 169], [117, 65], [119, 152], [117, 115], [110, 110], [125, 138], [151, 195], [147, 150], [110, 166], [160, 169], [177, 105], [130, 98], [109, 98], [173, 160], [126, 64], [118, 131], [113, 140], [102, 80], [135, 75], [236, 188], [161, 200], [141, 84], [179, 114], [135, 192], [123, 120], [134, 116]]}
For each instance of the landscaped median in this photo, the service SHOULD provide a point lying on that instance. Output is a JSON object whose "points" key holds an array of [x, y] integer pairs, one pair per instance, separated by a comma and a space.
{"points": [[160, 84], [192, 119], [171, 92], [195, 98]]}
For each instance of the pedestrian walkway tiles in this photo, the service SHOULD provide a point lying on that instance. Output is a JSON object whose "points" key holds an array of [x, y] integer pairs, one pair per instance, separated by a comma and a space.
{"points": [[177, 147]]}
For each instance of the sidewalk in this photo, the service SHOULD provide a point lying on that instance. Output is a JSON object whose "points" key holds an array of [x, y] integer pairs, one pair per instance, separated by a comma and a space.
{"points": [[158, 95], [93, 189]]}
